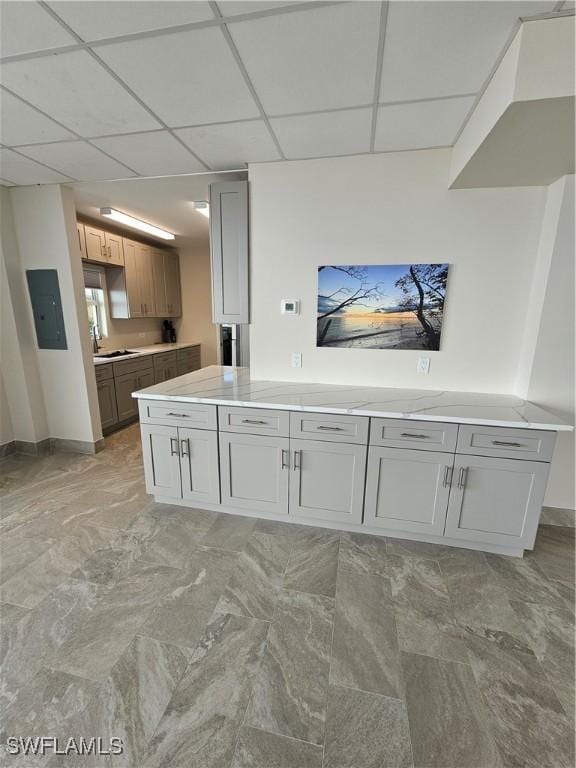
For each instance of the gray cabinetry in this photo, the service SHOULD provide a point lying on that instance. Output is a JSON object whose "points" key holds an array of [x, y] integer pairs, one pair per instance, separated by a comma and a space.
{"points": [[327, 480], [161, 454], [254, 472], [496, 501], [408, 490], [329, 426], [506, 443], [199, 465], [107, 403], [229, 251], [165, 366], [188, 359], [408, 433]]}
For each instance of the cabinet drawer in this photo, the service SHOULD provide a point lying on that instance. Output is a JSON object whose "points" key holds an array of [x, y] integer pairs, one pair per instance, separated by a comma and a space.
{"points": [[506, 442], [407, 433], [103, 372], [187, 352], [254, 421], [195, 415], [164, 359], [133, 366], [329, 426], [187, 366]]}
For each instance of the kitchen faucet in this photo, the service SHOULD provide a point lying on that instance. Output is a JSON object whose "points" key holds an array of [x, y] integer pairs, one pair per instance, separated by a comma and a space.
{"points": [[95, 345]]}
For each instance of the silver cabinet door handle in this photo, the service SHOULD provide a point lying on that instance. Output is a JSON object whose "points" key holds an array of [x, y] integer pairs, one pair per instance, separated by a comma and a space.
{"points": [[173, 446], [185, 447], [297, 460], [508, 445], [412, 434], [179, 415], [253, 421], [285, 459], [330, 429], [448, 473], [109, 252], [462, 477]]}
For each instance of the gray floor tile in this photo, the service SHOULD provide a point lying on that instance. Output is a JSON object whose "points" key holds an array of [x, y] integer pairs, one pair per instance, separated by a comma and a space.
{"points": [[17, 552], [423, 609], [517, 693], [523, 579], [201, 722], [229, 532], [448, 721], [257, 578], [289, 695], [313, 562], [362, 553], [365, 652], [554, 552], [259, 749], [364, 730]]}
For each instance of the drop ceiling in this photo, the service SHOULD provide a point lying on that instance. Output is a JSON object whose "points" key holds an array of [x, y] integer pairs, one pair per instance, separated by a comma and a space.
{"points": [[112, 90]]}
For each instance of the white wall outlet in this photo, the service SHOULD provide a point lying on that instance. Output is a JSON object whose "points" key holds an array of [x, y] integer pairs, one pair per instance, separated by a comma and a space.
{"points": [[423, 365], [296, 359]]}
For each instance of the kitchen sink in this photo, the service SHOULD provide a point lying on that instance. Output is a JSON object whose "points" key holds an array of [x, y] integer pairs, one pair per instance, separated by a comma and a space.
{"points": [[118, 353]]}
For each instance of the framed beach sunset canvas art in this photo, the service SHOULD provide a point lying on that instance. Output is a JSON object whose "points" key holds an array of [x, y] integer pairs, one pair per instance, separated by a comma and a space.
{"points": [[387, 306]]}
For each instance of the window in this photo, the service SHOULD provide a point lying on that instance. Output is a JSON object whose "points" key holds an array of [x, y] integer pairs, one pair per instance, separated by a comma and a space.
{"points": [[95, 303]]}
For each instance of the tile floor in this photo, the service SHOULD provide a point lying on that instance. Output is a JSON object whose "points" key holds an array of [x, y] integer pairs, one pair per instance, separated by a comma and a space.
{"points": [[211, 641]]}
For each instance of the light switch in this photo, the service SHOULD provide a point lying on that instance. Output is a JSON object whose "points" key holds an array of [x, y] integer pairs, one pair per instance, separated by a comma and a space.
{"points": [[296, 359], [423, 365]]}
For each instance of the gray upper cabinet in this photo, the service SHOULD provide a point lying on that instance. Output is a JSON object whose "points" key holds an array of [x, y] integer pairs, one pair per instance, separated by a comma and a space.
{"points": [[254, 472], [81, 240], [407, 490], [229, 251], [171, 266], [496, 501], [95, 244], [114, 249], [327, 480]]}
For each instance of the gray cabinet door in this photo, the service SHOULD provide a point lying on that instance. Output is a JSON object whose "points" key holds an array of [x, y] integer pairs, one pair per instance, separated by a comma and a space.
{"points": [[127, 405], [327, 480], [159, 278], [496, 501], [131, 276], [161, 454], [199, 465], [172, 284], [407, 490], [107, 403], [229, 251], [254, 472]]}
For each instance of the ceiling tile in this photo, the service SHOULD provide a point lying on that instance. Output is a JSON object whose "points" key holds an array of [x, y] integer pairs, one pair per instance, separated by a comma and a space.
{"points": [[26, 27], [325, 134], [229, 146], [235, 7], [421, 124], [21, 170], [445, 48], [187, 78], [151, 154], [317, 59], [78, 159], [5, 183], [21, 124], [97, 20], [74, 89]]}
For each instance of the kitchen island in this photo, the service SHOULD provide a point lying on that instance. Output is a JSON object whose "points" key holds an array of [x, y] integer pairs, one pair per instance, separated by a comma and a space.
{"points": [[461, 469]]}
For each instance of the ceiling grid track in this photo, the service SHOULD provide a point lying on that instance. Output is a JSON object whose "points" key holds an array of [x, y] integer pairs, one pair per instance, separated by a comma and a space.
{"points": [[127, 88], [247, 80], [378, 76]]}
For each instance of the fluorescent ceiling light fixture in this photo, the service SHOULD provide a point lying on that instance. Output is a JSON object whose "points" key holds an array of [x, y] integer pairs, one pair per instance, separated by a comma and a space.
{"points": [[202, 207], [130, 221]]}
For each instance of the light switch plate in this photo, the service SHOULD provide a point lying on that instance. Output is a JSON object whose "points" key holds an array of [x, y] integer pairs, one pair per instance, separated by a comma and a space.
{"points": [[296, 359], [423, 365]]}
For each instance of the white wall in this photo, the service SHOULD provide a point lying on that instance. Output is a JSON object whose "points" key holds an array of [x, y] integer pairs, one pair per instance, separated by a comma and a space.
{"points": [[196, 325], [391, 208], [551, 381], [45, 226]]}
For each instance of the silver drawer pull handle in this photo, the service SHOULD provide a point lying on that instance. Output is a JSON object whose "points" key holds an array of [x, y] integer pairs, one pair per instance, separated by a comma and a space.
{"points": [[509, 445], [185, 447], [173, 446], [297, 460], [462, 477], [179, 415], [330, 429], [253, 421], [448, 472], [412, 434], [285, 459]]}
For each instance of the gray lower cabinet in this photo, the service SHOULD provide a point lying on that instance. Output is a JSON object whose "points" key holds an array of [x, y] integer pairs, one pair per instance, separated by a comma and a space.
{"points": [[327, 480], [254, 472], [496, 501], [125, 385], [181, 463], [107, 403], [407, 490]]}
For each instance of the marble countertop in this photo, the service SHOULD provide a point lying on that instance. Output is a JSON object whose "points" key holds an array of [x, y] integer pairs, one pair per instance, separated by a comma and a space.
{"points": [[222, 385], [153, 349]]}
